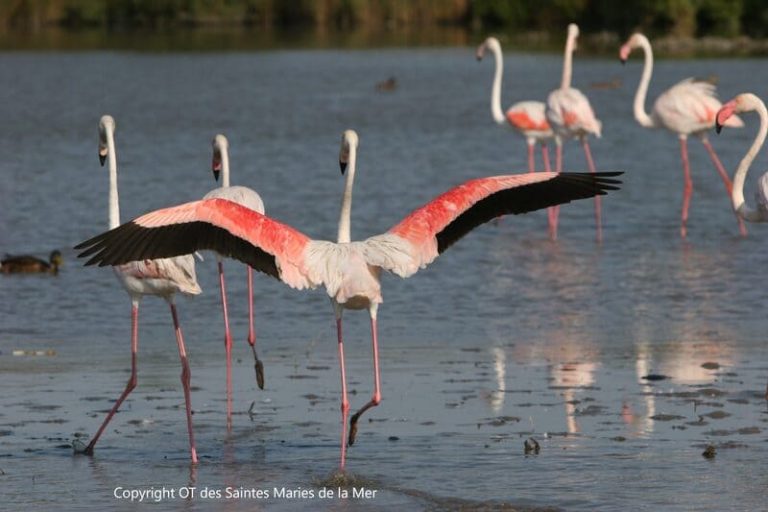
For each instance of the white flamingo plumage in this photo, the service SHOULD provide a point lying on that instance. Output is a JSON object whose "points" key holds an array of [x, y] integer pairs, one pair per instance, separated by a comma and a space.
{"points": [[687, 108], [142, 276], [571, 117], [525, 117], [250, 199], [348, 270]]}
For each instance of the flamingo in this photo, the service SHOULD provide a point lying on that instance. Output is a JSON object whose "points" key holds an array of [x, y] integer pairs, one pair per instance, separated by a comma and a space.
{"points": [[526, 117], [571, 117], [141, 276], [747, 102], [686, 108], [250, 199], [348, 270]]}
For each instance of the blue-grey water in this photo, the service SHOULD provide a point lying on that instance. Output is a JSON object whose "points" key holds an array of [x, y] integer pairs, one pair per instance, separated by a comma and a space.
{"points": [[506, 336]]}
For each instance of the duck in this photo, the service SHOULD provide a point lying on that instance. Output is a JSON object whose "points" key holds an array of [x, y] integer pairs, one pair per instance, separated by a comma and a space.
{"points": [[26, 264]]}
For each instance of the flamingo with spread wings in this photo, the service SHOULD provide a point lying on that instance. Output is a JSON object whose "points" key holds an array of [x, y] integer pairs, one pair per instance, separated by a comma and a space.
{"points": [[687, 108], [250, 199], [144, 276], [348, 270]]}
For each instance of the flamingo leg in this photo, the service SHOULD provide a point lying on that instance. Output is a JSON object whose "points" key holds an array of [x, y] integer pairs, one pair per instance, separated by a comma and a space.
{"points": [[591, 166], [726, 180], [376, 398], [227, 342], [258, 365], [344, 398], [131, 381], [186, 376], [545, 156], [553, 213], [531, 160], [687, 186]]}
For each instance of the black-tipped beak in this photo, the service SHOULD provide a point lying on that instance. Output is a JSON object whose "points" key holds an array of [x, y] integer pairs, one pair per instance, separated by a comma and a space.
{"points": [[343, 167], [718, 127], [102, 159], [622, 60], [216, 173]]}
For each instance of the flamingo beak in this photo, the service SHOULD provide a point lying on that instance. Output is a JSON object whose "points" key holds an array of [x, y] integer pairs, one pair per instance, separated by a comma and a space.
{"points": [[102, 158], [343, 167], [216, 168], [723, 114]]}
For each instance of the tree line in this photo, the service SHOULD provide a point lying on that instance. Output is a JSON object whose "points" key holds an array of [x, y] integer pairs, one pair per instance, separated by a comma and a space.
{"points": [[682, 18]]}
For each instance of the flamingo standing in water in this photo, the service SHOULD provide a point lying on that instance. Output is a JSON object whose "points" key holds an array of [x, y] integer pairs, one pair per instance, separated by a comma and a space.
{"points": [[141, 276], [748, 102], [250, 199], [687, 108], [348, 270], [526, 117], [571, 117]]}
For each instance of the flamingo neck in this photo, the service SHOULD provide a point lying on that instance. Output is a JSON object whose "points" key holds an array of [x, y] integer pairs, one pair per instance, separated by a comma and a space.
{"points": [[224, 167], [114, 204], [498, 114], [344, 235], [641, 115], [737, 194], [568, 62]]}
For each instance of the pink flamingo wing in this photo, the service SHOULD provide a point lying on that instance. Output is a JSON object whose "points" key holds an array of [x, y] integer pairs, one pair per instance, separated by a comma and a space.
{"points": [[434, 227], [226, 227]]}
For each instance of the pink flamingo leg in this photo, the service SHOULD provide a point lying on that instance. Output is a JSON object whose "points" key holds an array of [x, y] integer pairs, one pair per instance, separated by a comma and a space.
{"points": [[344, 399], [227, 343], [531, 161], [131, 381], [591, 166], [726, 180], [687, 186], [258, 365], [553, 213], [186, 376], [376, 398], [545, 156]]}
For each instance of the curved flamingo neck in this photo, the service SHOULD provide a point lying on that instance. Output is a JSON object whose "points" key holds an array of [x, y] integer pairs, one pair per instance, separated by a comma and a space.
{"points": [[751, 102], [641, 115], [344, 235], [570, 46], [114, 202], [498, 114], [224, 166]]}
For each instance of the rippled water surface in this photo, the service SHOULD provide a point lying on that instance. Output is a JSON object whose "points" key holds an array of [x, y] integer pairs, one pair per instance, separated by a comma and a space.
{"points": [[506, 337]]}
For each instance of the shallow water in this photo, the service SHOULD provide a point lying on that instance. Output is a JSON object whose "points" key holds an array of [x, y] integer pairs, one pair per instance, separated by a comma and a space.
{"points": [[507, 336]]}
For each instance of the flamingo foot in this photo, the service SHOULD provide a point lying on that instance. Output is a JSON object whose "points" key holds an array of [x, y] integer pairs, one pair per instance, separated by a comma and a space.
{"points": [[353, 429], [80, 447], [259, 367]]}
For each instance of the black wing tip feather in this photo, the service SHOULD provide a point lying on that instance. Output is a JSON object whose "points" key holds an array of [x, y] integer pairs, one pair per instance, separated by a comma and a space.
{"points": [[560, 189]]}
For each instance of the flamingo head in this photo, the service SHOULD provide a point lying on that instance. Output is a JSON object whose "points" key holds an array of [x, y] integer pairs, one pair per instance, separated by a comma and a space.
{"points": [[56, 259], [635, 41], [106, 124], [573, 34], [220, 144], [491, 43], [741, 103], [349, 142]]}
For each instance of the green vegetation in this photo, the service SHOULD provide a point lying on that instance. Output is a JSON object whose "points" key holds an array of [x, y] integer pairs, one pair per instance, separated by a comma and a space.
{"points": [[408, 20]]}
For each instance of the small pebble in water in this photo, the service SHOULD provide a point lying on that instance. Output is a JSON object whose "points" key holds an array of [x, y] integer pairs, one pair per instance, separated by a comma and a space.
{"points": [[709, 452]]}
